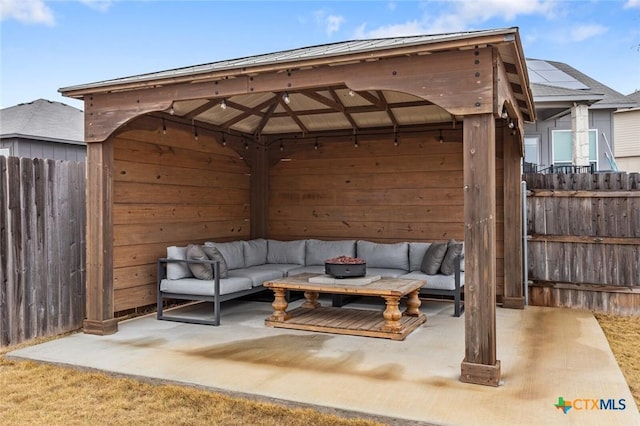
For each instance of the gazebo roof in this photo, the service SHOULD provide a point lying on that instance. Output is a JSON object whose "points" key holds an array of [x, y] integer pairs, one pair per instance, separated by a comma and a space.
{"points": [[318, 106]]}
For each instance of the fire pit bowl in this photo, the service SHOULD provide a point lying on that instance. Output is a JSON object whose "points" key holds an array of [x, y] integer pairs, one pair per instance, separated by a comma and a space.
{"points": [[345, 267]]}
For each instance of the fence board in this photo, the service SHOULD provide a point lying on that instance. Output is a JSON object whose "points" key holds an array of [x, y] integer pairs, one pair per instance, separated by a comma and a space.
{"points": [[42, 222], [583, 233]]}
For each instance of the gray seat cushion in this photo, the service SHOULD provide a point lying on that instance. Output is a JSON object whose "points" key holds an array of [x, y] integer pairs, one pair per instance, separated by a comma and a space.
{"points": [[436, 282], [198, 287], [386, 272], [257, 275]]}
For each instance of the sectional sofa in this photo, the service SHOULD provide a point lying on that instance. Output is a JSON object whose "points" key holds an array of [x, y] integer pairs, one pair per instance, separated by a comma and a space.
{"points": [[219, 271]]}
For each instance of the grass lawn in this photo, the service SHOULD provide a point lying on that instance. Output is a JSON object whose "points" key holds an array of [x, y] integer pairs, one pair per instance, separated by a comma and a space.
{"points": [[35, 393]]}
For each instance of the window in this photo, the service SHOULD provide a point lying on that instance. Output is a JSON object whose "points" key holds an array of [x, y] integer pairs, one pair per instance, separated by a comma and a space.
{"points": [[5, 152], [532, 149], [563, 147]]}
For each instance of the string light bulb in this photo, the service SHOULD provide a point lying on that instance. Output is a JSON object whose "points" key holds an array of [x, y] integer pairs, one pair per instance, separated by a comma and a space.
{"points": [[171, 110], [351, 93], [195, 130], [286, 98], [281, 147], [223, 104], [505, 115], [395, 137], [164, 127], [246, 144], [355, 139], [511, 124], [316, 146], [224, 140], [441, 139]]}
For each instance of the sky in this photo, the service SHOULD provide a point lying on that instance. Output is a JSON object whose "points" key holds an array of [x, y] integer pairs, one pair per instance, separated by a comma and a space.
{"points": [[49, 44]]}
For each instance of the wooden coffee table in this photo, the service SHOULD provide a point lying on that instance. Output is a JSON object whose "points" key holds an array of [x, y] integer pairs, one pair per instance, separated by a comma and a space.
{"points": [[311, 316]]}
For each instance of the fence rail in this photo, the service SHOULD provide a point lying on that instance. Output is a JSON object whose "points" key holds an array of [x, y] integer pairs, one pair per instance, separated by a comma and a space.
{"points": [[42, 248], [584, 241]]}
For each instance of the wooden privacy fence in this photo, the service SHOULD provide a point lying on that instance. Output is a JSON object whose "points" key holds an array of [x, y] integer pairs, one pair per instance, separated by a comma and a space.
{"points": [[42, 248], [583, 233]]}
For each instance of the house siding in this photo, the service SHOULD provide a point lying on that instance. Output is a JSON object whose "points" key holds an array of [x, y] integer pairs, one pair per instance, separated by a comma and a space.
{"points": [[27, 148], [627, 134], [599, 120]]}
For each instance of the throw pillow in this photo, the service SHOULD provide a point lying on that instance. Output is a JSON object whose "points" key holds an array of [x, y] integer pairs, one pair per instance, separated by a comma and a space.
{"points": [[214, 254], [201, 271], [454, 248], [433, 258]]}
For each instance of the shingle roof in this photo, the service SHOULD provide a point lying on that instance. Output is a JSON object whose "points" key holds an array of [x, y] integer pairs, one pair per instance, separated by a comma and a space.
{"points": [[605, 96], [44, 120]]}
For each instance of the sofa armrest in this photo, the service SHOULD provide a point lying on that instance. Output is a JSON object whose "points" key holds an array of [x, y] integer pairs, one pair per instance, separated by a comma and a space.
{"points": [[162, 270], [456, 271]]}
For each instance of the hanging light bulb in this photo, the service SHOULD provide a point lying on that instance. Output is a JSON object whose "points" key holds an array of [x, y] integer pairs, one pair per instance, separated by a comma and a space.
{"points": [[246, 144], [441, 139], [355, 139], [281, 147], [351, 93], [316, 146], [195, 130], [164, 127], [286, 98], [511, 124], [171, 110], [505, 115], [223, 104], [224, 140]]}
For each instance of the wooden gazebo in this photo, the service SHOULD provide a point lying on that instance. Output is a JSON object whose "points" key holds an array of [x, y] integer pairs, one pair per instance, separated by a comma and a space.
{"points": [[401, 139]]}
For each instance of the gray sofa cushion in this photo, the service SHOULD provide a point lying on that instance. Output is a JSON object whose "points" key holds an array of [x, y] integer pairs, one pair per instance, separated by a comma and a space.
{"points": [[377, 255], [318, 251], [282, 267], [416, 254], [433, 258], [255, 252], [436, 282], [214, 254], [447, 266], [386, 272], [233, 253], [286, 251], [177, 270], [202, 271], [256, 274], [196, 287]]}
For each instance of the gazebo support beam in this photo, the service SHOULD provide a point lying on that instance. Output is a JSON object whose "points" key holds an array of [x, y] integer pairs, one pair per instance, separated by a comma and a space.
{"points": [[513, 289], [480, 365], [99, 279]]}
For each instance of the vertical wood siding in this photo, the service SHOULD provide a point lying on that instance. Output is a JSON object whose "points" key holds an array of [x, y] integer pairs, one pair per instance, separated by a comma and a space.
{"points": [[42, 261], [584, 241], [170, 189]]}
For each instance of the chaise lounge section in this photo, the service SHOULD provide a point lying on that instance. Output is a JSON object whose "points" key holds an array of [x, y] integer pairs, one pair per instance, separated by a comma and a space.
{"points": [[217, 272]]}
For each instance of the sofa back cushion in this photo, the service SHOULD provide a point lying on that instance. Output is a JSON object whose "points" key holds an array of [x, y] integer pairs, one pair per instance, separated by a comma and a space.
{"points": [[233, 253], [214, 254], [454, 248], [318, 251], [378, 255], [416, 254], [177, 270], [433, 258], [287, 252], [255, 252]]}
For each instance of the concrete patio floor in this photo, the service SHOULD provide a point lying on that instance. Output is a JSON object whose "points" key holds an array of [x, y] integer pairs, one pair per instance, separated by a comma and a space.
{"points": [[546, 353]]}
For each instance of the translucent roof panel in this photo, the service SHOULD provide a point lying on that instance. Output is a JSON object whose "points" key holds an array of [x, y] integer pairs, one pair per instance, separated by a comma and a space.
{"points": [[542, 72]]}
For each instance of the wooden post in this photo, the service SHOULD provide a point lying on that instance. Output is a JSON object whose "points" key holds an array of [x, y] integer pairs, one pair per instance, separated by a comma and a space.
{"points": [[99, 276], [513, 291], [480, 365], [259, 208]]}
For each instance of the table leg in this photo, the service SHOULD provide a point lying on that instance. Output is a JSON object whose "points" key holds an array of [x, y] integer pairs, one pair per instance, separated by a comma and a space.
{"points": [[413, 305], [392, 314], [311, 300], [279, 305]]}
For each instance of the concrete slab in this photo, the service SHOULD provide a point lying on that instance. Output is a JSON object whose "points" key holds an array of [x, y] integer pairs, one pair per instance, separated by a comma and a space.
{"points": [[546, 354]]}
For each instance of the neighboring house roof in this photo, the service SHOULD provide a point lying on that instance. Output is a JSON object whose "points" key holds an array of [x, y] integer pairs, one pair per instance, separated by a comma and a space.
{"points": [[635, 96], [43, 120], [558, 83]]}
